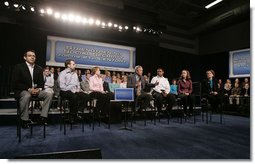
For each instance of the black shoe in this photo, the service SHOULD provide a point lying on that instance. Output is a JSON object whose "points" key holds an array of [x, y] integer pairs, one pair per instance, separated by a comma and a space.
{"points": [[25, 124], [43, 121], [78, 117]]}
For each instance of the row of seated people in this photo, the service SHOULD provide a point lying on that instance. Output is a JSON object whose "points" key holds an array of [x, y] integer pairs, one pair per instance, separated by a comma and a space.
{"points": [[28, 81]]}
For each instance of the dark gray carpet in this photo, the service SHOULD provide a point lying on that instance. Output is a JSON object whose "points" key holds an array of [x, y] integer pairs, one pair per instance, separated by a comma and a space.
{"points": [[230, 140]]}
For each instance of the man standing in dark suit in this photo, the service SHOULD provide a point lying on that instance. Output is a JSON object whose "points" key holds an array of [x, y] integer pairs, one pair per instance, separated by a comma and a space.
{"points": [[137, 82], [28, 81]]}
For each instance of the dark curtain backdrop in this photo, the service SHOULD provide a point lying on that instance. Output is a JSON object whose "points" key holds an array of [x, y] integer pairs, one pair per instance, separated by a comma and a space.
{"points": [[16, 39]]}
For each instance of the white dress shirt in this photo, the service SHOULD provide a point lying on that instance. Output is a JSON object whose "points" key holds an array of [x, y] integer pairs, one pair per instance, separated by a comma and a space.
{"points": [[31, 70], [163, 84]]}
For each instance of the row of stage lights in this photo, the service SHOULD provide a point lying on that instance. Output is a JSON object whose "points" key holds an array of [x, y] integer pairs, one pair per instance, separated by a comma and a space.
{"points": [[73, 18]]}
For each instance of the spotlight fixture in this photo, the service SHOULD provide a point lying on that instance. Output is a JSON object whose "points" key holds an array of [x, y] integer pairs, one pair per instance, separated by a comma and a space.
{"points": [[42, 11], [6, 3], [212, 4], [109, 24], [57, 15], [16, 5], [23, 7], [84, 21], [91, 21], [126, 27], [98, 22], [32, 9], [49, 11], [115, 25], [64, 17]]}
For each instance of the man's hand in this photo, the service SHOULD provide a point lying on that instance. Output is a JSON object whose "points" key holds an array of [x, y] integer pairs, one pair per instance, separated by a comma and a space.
{"points": [[156, 83], [164, 93], [34, 91]]}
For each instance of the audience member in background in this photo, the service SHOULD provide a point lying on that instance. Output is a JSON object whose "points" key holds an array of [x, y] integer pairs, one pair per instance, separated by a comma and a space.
{"points": [[246, 81], [79, 75], [113, 84], [227, 91], [48, 81], [98, 92], [210, 90], [161, 91], [185, 92], [137, 82], [220, 87], [85, 84], [70, 90], [56, 74], [28, 81], [52, 72], [118, 78], [123, 83], [237, 81], [87, 71], [108, 77], [235, 94], [174, 88], [149, 76], [246, 87], [113, 73]]}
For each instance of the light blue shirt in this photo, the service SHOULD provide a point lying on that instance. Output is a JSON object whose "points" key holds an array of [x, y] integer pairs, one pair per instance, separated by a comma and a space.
{"points": [[68, 81], [173, 89], [113, 86]]}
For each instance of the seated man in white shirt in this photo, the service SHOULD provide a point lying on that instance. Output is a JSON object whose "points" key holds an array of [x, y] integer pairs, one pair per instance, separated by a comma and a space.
{"points": [[71, 90], [161, 91]]}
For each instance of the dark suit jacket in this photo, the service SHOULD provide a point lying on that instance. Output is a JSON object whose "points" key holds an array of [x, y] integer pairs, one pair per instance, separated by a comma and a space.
{"points": [[206, 89], [131, 83], [22, 79]]}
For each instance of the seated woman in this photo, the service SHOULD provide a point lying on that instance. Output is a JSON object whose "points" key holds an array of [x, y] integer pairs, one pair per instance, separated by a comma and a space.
{"points": [[184, 92], [114, 84], [210, 90], [97, 92]]}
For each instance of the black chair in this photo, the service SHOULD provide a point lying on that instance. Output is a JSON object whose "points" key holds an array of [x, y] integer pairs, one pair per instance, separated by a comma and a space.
{"points": [[64, 113], [33, 100], [135, 112], [206, 108]]}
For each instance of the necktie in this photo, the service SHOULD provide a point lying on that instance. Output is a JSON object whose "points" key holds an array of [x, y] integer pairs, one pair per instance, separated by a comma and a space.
{"points": [[139, 87]]}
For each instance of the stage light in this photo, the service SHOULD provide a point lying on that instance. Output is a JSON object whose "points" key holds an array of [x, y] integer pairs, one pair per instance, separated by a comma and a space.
{"points": [[6, 3], [84, 21], [134, 28], [91, 21], [42, 11], [32, 9], [138, 29], [115, 25], [23, 7], [126, 27], [98, 22], [120, 28], [49, 11], [77, 19], [109, 24], [15, 5], [64, 17], [103, 25], [57, 15], [70, 17], [212, 4]]}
